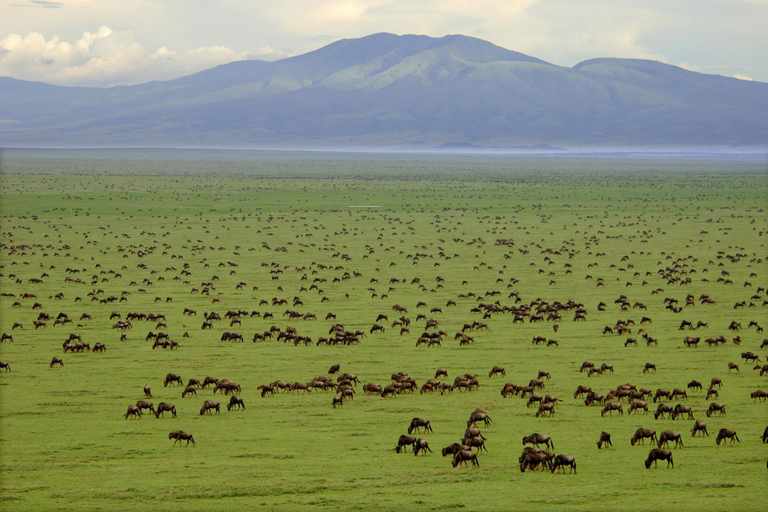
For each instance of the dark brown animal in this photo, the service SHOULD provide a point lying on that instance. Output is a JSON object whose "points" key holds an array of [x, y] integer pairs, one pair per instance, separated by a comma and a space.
{"points": [[403, 442], [537, 439], [462, 456], [210, 405], [564, 460], [656, 455], [6, 365], [236, 401], [179, 436], [421, 445], [605, 440], [172, 378], [417, 423], [668, 436], [58, 361], [478, 415], [715, 407], [726, 433], [641, 434], [141, 404], [699, 426], [133, 412], [163, 407]]}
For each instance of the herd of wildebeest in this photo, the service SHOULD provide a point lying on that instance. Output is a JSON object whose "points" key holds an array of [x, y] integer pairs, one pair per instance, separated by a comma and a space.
{"points": [[100, 292]]}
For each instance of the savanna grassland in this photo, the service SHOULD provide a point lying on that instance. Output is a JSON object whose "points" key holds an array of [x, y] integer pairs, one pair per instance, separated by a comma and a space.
{"points": [[355, 236]]}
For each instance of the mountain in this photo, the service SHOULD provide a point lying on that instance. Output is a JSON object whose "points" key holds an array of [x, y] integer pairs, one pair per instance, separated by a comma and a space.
{"points": [[400, 91]]}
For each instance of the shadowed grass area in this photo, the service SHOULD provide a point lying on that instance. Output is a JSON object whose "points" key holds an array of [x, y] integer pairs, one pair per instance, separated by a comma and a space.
{"points": [[355, 237]]}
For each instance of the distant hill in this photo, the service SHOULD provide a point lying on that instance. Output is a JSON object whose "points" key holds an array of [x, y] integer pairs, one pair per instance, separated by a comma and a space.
{"points": [[398, 91]]}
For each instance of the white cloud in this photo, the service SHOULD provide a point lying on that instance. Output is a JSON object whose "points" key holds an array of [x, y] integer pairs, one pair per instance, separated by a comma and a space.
{"points": [[742, 77], [106, 58]]}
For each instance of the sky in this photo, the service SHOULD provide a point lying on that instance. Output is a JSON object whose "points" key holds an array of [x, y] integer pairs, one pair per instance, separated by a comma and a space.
{"points": [[103, 43]]}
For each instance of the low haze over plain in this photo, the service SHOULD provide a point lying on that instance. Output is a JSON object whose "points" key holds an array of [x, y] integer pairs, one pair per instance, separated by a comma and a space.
{"points": [[114, 42]]}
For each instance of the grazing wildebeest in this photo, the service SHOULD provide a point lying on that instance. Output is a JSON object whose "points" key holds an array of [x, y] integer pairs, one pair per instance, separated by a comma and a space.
{"points": [[727, 433], [479, 415], [210, 405], [337, 401], [58, 361], [235, 401], [141, 404], [712, 391], [663, 409], [454, 448], [638, 404], [715, 407], [421, 445], [6, 365], [162, 407], [563, 460], [682, 409], [475, 442], [649, 367], [605, 440], [497, 370], [581, 390], [544, 408], [334, 369], [533, 458], [147, 392], [760, 394], [403, 442], [641, 434], [462, 456], [133, 412], [473, 432], [417, 423], [668, 436], [189, 390], [180, 436], [656, 455], [694, 384], [699, 426], [662, 393], [441, 372], [612, 406], [537, 439], [171, 378]]}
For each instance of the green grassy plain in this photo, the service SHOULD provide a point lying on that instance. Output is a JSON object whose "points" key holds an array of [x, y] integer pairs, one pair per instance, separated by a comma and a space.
{"points": [[636, 226]]}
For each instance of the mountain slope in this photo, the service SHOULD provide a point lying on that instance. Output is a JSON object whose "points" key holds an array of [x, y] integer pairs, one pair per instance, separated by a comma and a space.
{"points": [[398, 90]]}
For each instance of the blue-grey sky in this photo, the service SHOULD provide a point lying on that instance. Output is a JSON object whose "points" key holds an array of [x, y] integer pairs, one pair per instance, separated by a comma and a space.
{"points": [[116, 42]]}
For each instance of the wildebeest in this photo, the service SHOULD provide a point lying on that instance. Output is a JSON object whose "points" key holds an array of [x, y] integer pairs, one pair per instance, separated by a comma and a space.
{"points": [[641, 434], [141, 404], [403, 442], [497, 370], [663, 409], [544, 408], [210, 405], [6, 365], [454, 448], [133, 412], [605, 440], [162, 407], [638, 404], [417, 423], [189, 390], [334, 369], [668, 436], [699, 426], [764, 437], [612, 406], [479, 415], [563, 460], [656, 455], [171, 378], [58, 361], [760, 394], [726, 433], [537, 439], [694, 384], [179, 436], [662, 393], [532, 458], [715, 407], [235, 401], [147, 391], [421, 445], [462, 456]]}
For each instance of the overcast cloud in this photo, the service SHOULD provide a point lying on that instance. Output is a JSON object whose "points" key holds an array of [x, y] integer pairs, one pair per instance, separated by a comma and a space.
{"points": [[111, 42]]}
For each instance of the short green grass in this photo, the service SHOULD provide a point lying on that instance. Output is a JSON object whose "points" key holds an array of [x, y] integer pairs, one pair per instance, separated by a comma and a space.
{"points": [[64, 443]]}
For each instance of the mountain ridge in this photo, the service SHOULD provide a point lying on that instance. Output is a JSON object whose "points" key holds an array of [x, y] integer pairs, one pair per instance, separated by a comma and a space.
{"points": [[392, 90]]}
